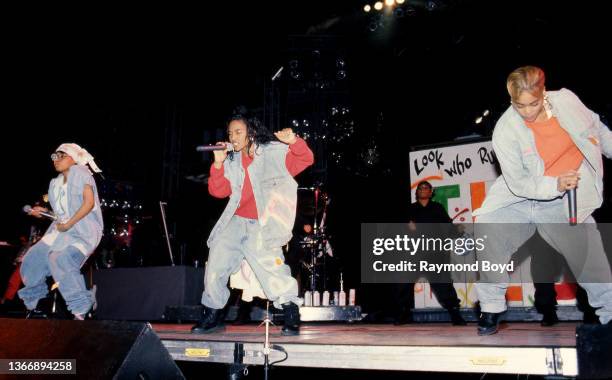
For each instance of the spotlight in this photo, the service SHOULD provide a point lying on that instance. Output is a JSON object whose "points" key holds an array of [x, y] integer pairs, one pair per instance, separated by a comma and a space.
{"points": [[378, 5], [485, 113], [367, 8], [478, 120], [389, 3], [399, 1]]}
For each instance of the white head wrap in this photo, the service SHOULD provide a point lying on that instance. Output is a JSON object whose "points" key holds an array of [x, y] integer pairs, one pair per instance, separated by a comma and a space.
{"points": [[79, 155]]}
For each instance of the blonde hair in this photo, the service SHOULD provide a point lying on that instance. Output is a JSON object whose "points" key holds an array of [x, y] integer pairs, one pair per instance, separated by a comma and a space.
{"points": [[526, 78]]}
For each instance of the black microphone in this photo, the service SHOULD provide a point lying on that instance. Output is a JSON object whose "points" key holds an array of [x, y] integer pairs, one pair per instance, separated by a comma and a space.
{"points": [[210, 148], [571, 202], [27, 209]]}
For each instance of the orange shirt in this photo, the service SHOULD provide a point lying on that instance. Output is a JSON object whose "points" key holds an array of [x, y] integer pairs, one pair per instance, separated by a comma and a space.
{"points": [[555, 147]]}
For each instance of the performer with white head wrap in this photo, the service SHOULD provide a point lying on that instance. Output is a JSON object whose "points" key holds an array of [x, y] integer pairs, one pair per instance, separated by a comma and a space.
{"points": [[71, 238]]}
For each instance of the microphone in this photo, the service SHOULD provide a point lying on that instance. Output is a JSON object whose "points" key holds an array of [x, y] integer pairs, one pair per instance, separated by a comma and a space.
{"points": [[27, 209], [571, 202], [210, 148]]}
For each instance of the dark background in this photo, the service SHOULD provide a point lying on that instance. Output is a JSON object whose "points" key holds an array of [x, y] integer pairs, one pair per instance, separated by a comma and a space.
{"points": [[140, 88]]}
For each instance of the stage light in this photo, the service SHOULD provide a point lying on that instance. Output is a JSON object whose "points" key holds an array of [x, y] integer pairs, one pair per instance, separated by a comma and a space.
{"points": [[389, 3], [478, 120], [400, 1], [485, 113], [367, 8], [378, 5]]}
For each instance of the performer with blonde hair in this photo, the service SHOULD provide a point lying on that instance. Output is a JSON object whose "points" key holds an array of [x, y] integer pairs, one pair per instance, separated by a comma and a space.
{"points": [[547, 143]]}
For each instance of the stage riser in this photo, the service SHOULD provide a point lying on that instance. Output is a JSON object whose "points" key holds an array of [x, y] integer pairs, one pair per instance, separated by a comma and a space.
{"points": [[181, 314], [518, 348], [502, 360]]}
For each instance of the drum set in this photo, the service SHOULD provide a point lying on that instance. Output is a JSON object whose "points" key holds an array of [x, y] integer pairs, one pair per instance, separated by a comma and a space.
{"points": [[313, 241]]}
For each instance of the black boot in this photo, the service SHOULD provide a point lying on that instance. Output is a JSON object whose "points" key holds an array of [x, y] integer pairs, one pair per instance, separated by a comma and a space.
{"points": [[42, 309], [291, 313], [456, 318], [211, 321], [549, 318], [488, 322], [36, 314]]}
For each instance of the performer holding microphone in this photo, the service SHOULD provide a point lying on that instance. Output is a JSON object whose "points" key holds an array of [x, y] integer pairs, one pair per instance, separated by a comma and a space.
{"points": [[257, 176], [549, 145], [74, 234]]}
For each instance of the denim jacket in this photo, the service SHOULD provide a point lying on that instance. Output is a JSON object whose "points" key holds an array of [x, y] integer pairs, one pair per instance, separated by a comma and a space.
{"points": [[87, 232], [523, 169], [274, 189]]}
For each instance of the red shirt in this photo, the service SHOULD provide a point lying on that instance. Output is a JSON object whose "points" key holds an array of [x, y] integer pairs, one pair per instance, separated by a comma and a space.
{"points": [[298, 158]]}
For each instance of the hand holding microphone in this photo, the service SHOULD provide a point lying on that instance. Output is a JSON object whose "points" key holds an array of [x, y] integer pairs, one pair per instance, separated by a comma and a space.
{"points": [[568, 182], [39, 212], [221, 154], [219, 150], [216, 147]]}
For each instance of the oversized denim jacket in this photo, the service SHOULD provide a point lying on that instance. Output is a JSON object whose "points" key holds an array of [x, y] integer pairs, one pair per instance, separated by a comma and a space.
{"points": [[87, 231], [522, 168], [274, 189]]}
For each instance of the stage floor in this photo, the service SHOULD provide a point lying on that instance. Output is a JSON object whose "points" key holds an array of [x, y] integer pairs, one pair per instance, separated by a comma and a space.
{"points": [[518, 348]]}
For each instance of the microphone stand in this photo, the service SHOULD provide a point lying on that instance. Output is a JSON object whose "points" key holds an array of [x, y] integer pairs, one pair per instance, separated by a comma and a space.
{"points": [[267, 349], [163, 214]]}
